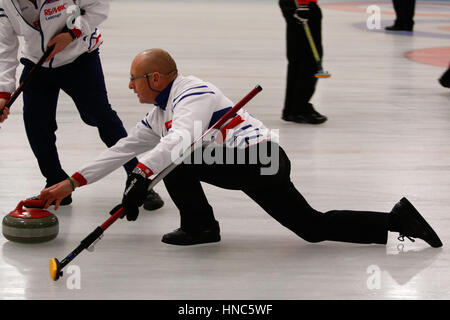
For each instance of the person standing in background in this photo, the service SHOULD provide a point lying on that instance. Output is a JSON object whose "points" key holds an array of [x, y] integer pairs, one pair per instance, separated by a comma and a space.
{"points": [[301, 82]]}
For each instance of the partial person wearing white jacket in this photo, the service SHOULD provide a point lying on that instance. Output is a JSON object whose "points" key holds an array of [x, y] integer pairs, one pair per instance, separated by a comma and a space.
{"points": [[185, 107], [73, 66]]}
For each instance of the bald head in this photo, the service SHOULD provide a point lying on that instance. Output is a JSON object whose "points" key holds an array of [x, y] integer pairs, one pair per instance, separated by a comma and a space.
{"points": [[155, 60], [151, 72]]}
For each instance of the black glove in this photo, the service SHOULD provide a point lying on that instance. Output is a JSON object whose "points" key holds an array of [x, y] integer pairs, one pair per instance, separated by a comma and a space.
{"points": [[136, 190], [302, 12]]}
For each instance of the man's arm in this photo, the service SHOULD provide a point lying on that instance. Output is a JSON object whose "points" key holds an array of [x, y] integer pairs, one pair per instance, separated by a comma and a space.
{"points": [[138, 141], [88, 17], [94, 13]]}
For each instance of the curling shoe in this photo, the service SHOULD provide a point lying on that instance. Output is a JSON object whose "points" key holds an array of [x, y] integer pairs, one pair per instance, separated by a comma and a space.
{"points": [[312, 117], [399, 28], [445, 79], [182, 238], [153, 201], [64, 202], [413, 225]]}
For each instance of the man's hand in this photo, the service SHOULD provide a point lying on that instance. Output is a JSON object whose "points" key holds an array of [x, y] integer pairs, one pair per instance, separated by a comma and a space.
{"points": [[57, 192], [302, 12], [4, 112], [61, 41]]}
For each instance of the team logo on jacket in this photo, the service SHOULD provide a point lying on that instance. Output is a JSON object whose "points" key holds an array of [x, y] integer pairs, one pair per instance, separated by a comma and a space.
{"points": [[54, 12]]}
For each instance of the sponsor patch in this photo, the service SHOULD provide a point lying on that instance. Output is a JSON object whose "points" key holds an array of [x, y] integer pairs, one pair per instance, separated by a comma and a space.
{"points": [[55, 10]]}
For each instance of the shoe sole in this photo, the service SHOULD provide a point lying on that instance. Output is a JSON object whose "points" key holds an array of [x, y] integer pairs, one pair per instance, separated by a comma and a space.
{"points": [[435, 242], [189, 243], [305, 122]]}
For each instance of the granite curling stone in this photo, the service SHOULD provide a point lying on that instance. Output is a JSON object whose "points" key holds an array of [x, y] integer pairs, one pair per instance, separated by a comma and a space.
{"points": [[30, 225]]}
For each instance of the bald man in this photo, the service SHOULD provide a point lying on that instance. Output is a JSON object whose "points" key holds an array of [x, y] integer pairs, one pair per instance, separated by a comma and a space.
{"points": [[245, 157]]}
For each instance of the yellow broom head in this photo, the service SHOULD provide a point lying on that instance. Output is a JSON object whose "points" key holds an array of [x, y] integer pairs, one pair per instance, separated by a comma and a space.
{"points": [[53, 268]]}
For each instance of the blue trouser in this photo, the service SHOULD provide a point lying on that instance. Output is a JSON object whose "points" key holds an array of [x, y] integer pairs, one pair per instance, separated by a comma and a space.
{"points": [[84, 82]]}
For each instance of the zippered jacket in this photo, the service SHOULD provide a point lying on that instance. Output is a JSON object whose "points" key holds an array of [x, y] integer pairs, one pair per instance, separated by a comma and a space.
{"points": [[52, 17], [184, 111]]}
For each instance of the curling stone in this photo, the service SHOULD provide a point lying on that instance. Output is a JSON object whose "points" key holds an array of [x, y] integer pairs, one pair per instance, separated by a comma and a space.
{"points": [[30, 225]]}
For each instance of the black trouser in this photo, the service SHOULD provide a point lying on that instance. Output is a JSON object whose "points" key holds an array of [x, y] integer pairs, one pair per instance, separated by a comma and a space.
{"points": [[83, 81], [275, 193], [301, 82], [404, 9]]}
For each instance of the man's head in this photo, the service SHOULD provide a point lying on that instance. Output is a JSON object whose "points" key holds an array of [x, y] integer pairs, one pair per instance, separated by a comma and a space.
{"points": [[151, 71]]}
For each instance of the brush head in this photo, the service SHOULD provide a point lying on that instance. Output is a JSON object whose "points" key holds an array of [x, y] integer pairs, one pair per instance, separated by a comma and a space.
{"points": [[322, 75], [54, 269]]}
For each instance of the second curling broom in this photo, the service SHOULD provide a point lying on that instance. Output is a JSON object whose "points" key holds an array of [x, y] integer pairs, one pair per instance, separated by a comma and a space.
{"points": [[320, 72]]}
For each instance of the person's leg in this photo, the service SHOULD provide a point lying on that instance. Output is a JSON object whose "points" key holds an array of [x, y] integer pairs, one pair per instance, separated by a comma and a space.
{"points": [[85, 84], [40, 98], [278, 196], [302, 67], [197, 222], [406, 14], [404, 10], [398, 11]]}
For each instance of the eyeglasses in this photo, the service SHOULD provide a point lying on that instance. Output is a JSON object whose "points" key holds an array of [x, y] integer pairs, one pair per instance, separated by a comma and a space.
{"points": [[149, 74], [140, 77]]}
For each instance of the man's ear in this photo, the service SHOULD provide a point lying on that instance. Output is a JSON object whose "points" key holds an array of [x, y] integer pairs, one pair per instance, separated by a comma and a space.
{"points": [[157, 80]]}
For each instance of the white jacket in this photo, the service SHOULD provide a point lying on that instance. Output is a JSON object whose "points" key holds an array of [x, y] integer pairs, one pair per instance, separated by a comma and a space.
{"points": [[185, 110], [53, 15]]}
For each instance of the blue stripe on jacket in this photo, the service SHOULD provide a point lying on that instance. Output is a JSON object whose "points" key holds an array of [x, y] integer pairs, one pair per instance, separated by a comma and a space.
{"points": [[191, 94], [217, 115], [145, 123], [198, 87]]}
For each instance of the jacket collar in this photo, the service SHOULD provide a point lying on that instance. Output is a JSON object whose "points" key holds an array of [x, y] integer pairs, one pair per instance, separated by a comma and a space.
{"points": [[163, 96]]}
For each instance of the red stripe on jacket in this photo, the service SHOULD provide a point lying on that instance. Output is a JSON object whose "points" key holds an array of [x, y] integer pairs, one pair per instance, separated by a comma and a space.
{"points": [[232, 124], [5, 95]]}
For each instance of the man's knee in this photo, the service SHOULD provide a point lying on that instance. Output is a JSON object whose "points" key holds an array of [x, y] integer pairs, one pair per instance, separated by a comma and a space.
{"points": [[310, 227]]}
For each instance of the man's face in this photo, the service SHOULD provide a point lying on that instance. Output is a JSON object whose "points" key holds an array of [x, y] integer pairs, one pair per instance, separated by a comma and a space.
{"points": [[140, 84]]}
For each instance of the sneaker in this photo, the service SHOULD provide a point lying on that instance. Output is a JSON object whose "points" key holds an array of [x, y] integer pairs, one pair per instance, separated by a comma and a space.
{"points": [[182, 238], [65, 202], [413, 225], [153, 201]]}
